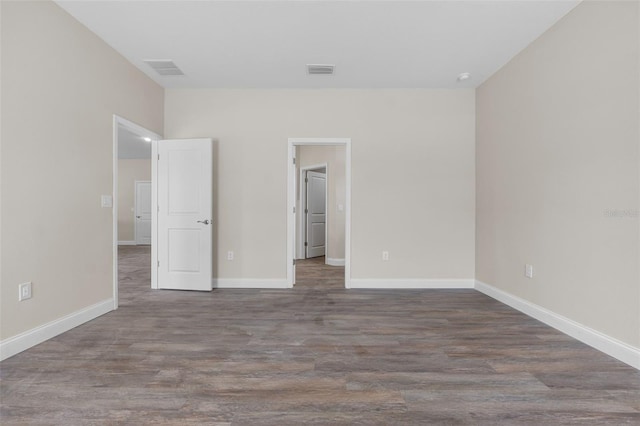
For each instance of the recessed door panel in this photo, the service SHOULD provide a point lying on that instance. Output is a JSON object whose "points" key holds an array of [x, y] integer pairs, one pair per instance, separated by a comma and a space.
{"points": [[317, 235], [184, 168], [184, 247]]}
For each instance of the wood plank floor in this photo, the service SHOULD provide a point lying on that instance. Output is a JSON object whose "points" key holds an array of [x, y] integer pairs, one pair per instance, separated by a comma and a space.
{"points": [[315, 354]]}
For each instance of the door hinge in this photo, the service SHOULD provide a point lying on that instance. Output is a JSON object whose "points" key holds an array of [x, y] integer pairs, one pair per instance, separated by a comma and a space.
{"points": [[158, 263], [294, 262], [294, 160], [306, 244], [158, 209], [306, 211], [158, 157], [294, 209], [306, 180]]}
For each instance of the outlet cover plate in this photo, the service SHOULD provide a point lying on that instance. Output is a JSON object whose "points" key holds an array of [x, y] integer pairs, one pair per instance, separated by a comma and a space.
{"points": [[528, 271], [24, 291]]}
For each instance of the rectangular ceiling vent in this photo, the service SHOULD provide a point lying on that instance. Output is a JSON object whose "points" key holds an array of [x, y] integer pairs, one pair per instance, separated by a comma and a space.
{"points": [[320, 69], [164, 67]]}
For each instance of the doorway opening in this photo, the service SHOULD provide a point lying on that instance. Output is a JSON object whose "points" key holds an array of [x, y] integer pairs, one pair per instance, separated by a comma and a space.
{"points": [[132, 201], [319, 206]]}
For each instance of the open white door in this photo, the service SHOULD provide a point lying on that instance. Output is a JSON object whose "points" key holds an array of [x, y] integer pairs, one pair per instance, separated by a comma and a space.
{"points": [[316, 213], [184, 214], [143, 212]]}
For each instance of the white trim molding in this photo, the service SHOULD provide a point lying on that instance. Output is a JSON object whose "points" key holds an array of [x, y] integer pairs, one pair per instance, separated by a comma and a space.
{"points": [[250, 283], [411, 283], [23, 341], [334, 262], [621, 351], [127, 243]]}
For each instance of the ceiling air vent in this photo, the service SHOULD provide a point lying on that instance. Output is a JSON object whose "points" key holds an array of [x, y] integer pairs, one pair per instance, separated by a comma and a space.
{"points": [[318, 69], [164, 67]]}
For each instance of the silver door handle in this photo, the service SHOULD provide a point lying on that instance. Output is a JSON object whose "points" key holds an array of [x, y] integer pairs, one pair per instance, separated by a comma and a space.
{"points": [[138, 217], [206, 221]]}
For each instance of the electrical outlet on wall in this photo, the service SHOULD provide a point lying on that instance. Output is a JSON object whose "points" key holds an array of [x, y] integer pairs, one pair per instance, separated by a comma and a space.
{"points": [[106, 201], [24, 291], [528, 271], [230, 255], [385, 256]]}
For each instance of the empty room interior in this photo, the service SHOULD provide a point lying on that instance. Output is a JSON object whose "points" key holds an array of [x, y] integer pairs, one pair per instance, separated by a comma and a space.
{"points": [[320, 212]]}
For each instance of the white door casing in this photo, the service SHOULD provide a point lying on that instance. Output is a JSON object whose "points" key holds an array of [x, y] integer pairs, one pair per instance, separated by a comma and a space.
{"points": [[184, 204], [316, 214], [142, 211]]}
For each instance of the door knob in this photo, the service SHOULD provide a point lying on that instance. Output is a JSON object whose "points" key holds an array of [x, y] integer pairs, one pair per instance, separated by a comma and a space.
{"points": [[206, 221], [138, 217]]}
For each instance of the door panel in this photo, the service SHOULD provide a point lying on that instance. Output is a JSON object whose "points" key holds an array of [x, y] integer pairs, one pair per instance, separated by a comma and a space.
{"points": [[184, 168], [183, 250], [317, 234], [143, 212], [184, 214], [316, 213]]}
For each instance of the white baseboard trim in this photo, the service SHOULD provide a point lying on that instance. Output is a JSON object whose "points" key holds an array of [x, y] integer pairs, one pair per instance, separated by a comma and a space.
{"points": [[610, 346], [334, 262], [23, 341], [395, 284], [249, 283], [127, 243]]}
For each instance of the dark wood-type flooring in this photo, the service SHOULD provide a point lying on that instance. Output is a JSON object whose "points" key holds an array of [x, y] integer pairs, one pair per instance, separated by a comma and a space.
{"points": [[314, 354]]}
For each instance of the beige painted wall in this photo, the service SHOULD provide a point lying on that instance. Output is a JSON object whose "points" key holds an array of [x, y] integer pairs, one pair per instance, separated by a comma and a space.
{"points": [[129, 171], [334, 157], [412, 174], [557, 153], [57, 160]]}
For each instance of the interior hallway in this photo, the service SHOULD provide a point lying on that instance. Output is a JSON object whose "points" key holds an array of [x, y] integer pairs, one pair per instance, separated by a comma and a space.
{"points": [[317, 354], [314, 274]]}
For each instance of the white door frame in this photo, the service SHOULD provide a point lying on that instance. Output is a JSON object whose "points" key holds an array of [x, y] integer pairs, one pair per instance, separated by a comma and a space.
{"points": [[139, 130], [291, 202], [135, 207], [300, 249], [154, 212]]}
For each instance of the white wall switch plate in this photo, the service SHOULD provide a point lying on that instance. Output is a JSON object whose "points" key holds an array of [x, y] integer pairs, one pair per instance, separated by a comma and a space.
{"points": [[24, 291], [528, 271], [229, 255], [106, 201], [385, 256]]}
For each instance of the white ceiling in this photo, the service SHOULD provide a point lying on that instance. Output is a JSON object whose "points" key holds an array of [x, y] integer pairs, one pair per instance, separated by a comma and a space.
{"points": [[373, 44]]}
